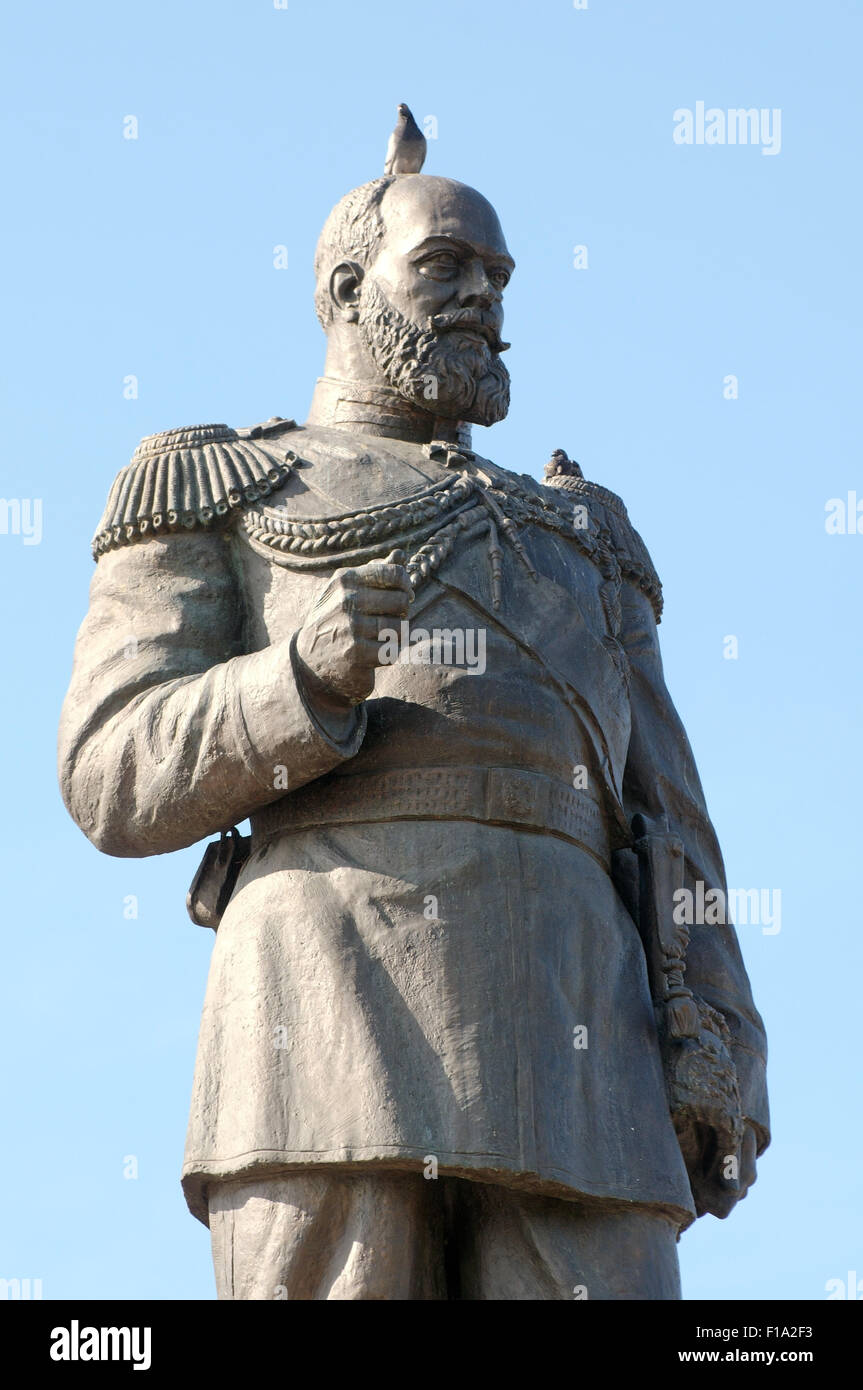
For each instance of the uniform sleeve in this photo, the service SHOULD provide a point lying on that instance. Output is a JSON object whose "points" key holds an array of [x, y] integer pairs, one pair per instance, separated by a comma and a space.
{"points": [[661, 779], [169, 731]]}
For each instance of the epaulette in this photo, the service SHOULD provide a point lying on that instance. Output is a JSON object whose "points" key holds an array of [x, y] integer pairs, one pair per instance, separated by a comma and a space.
{"points": [[193, 477], [632, 554]]}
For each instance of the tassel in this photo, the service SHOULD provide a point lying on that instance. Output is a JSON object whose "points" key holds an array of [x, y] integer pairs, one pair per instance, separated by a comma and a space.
{"points": [[495, 555], [681, 1017]]}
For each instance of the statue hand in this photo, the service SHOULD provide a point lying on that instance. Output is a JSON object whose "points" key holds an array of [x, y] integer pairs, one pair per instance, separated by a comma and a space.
{"points": [[717, 1183], [339, 642]]}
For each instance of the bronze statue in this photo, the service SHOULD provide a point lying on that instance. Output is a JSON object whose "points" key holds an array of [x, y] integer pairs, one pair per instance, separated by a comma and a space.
{"points": [[454, 1043]]}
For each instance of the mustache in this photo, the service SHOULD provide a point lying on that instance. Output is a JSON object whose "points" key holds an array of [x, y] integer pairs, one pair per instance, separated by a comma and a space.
{"points": [[469, 319]]}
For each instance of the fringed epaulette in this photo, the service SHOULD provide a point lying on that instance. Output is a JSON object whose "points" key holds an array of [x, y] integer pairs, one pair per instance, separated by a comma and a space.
{"points": [[632, 554], [193, 477]]}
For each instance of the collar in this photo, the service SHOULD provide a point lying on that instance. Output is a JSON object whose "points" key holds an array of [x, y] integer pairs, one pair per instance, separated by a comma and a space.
{"points": [[364, 408]]}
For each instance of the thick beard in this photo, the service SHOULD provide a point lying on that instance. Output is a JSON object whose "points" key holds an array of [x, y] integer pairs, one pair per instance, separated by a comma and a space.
{"points": [[470, 381]]}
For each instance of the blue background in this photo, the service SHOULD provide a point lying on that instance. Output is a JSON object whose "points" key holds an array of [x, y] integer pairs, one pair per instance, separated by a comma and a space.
{"points": [[154, 257]]}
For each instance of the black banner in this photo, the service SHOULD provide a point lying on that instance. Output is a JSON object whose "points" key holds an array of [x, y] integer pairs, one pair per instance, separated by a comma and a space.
{"points": [[83, 1338]]}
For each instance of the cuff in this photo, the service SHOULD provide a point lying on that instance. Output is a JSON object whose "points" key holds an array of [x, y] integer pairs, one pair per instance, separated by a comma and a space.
{"points": [[288, 734]]}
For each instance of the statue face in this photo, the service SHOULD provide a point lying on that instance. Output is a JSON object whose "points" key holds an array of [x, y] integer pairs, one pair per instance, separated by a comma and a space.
{"points": [[431, 310]]}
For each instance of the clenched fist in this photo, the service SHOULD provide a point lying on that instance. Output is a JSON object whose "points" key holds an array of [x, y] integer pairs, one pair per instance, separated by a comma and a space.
{"points": [[340, 640]]}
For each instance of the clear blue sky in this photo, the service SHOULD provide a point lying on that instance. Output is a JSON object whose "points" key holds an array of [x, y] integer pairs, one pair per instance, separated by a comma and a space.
{"points": [[154, 258]]}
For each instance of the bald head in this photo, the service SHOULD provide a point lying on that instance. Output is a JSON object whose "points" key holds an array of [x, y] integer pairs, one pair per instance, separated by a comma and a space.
{"points": [[423, 205]]}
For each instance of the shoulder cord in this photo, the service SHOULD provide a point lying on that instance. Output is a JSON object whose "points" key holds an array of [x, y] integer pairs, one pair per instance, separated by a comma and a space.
{"points": [[469, 504]]}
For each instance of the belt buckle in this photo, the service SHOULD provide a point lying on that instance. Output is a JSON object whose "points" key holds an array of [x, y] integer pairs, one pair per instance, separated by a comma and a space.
{"points": [[513, 796]]}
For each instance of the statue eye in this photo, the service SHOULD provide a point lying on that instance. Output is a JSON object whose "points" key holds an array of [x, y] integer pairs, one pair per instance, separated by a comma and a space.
{"points": [[499, 277], [441, 265]]}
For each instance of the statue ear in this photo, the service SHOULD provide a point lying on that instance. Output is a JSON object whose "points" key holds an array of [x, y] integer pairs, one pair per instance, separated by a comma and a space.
{"points": [[345, 283]]}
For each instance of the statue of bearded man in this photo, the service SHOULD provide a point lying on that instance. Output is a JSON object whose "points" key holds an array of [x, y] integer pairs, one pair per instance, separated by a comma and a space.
{"points": [[456, 1043]]}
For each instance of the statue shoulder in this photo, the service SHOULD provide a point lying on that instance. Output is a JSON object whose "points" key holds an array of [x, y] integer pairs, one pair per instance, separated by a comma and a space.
{"points": [[564, 474], [195, 477]]}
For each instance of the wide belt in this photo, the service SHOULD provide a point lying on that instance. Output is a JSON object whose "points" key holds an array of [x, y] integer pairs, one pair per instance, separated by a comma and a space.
{"points": [[493, 795]]}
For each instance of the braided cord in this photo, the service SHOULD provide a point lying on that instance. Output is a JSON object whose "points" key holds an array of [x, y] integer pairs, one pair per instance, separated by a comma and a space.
{"points": [[457, 506]]}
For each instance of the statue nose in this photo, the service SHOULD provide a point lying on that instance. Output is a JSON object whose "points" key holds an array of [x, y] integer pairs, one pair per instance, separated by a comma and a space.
{"points": [[477, 289], [483, 298], [477, 300]]}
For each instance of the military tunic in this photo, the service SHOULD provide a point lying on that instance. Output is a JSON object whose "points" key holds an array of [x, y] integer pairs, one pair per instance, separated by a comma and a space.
{"points": [[426, 955]]}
